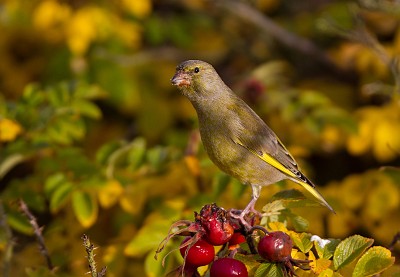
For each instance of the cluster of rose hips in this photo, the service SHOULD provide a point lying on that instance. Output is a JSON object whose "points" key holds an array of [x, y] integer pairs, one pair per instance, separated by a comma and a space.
{"points": [[214, 226]]}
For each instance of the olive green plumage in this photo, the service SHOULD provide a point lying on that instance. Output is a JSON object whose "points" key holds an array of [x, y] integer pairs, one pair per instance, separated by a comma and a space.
{"points": [[236, 139]]}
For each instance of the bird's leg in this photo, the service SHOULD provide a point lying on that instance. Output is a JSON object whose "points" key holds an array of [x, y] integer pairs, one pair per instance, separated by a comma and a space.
{"points": [[249, 208]]}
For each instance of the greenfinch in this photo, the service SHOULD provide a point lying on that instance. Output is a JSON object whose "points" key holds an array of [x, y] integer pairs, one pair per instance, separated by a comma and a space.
{"points": [[235, 138]]}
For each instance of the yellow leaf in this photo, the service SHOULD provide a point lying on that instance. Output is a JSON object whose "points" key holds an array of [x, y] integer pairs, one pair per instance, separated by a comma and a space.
{"points": [[132, 200], [193, 164], [382, 199], [9, 130], [331, 137], [50, 16], [298, 255], [386, 142], [110, 193], [128, 32], [318, 265], [140, 8], [85, 208], [360, 143], [277, 226], [86, 25], [353, 191]]}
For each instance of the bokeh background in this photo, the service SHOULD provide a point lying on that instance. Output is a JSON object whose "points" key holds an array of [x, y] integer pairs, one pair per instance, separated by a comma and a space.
{"points": [[95, 139]]}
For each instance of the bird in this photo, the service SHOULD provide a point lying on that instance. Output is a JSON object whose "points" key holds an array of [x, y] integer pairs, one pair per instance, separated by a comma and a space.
{"points": [[235, 138]]}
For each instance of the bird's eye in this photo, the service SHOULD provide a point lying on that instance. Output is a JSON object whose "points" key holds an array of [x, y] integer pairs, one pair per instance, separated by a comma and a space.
{"points": [[196, 70]]}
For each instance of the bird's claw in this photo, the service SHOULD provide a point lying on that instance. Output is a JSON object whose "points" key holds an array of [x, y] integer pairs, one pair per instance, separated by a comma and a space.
{"points": [[244, 219]]}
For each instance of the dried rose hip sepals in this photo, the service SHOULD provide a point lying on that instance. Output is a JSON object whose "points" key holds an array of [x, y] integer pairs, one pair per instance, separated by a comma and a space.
{"points": [[199, 254], [214, 221], [275, 247], [228, 267]]}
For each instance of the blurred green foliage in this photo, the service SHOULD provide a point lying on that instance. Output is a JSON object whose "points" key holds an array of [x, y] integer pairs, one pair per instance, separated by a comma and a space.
{"points": [[95, 139]]}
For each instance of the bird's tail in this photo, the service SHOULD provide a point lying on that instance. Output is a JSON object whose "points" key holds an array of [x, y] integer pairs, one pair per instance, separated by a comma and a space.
{"points": [[310, 187]]}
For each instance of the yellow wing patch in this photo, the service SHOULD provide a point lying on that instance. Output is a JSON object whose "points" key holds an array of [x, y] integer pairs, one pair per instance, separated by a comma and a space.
{"points": [[270, 160]]}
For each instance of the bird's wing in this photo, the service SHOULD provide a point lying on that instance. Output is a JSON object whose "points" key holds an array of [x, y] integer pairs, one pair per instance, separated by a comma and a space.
{"points": [[252, 133]]}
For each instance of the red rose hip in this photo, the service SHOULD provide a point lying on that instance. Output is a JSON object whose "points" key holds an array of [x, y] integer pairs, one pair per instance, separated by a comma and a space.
{"points": [[201, 253], [213, 219], [275, 247], [228, 267], [237, 238]]}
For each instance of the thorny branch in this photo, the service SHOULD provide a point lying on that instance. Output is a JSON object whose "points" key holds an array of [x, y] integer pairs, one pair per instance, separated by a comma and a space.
{"points": [[90, 256], [38, 233]]}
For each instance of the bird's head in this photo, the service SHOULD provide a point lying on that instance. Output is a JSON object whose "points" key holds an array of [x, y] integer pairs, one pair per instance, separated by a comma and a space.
{"points": [[196, 79]]}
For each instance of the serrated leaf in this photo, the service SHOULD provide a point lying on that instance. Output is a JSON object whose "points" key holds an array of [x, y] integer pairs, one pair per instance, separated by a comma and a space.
{"points": [[329, 273], [60, 196], [350, 249], [277, 226], [300, 224], [273, 207], [374, 261], [328, 250], [270, 270], [318, 265], [250, 261], [85, 208], [302, 241]]}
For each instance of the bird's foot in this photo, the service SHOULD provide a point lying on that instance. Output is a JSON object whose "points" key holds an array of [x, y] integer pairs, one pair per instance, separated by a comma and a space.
{"points": [[244, 218]]}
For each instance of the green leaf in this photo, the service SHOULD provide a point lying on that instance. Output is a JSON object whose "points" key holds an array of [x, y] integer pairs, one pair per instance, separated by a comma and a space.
{"points": [[9, 163], [274, 207], [328, 250], [106, 150], [329, 273], [148, 238], [300, 224], [59, 96], [65, 130], [251, 261], [86, 108], [53, 182], [137, 153], [302, 241], [60, 196], [19, 222], [85, 208], [270, 270], [374, 261], [350, 249], [157, 156]]}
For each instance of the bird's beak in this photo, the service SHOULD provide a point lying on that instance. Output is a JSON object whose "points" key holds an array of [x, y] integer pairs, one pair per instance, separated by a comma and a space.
{"points": [[181, 79]]}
